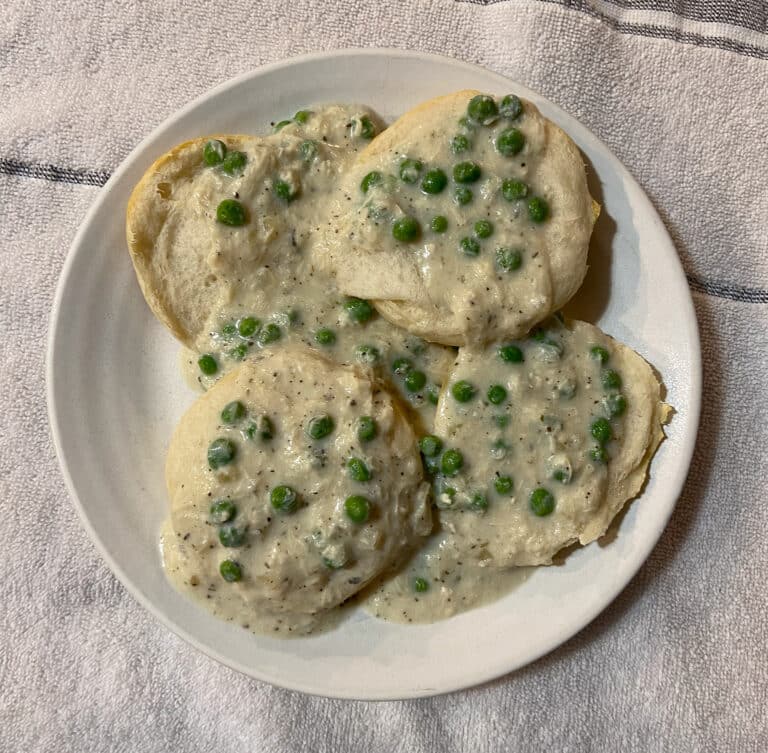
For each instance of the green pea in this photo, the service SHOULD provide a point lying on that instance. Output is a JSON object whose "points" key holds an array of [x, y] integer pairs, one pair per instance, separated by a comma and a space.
{"points": [[598, 353], [420, 585], [221, 452], [430, 445], [499, 449], [463, 195], [263, 427], [563, 475], [229, 330], [615, 405], [284, 499], [482, 109], [415, 380], [511, 354], [402, 366], [448, 491], [483, 229], [357, 508], [611, 379], [214, 151], [325, 336], [466, 172], [234, 162], [497, 394], [466, 124], [320, 427], [270, 334], [439, 224], [373, 178], [511, 107], [231, 535], [222, 511], [266, 428], [230, 571], [288, 317], [510, 142], [233, 412], [538, 209], [302, 116], [501, 421], [434, 181], [553, 347], [367, 128], [460, 144], [406, 229], [358, 310], [601, 430], [451, 462], [463, 391], [284, 191], [239, 352], [542, 502], [367, 353], [433, 394], [598, 454], [479, 502], [247, 326], [469, 247], [358, 470], [308, 150], [366, 429], [207, 364], [504, 485], [282, 124], [514, 190], [508, 259], [231, 212], [410, 169]]}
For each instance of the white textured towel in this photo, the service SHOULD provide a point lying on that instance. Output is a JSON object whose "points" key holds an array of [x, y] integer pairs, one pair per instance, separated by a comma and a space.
{"points": [[679, 91]]}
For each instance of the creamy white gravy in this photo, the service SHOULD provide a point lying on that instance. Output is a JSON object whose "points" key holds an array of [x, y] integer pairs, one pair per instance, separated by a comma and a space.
{"points": [[437, 582], [275, 300], [472, 262], [279, 503], [273, 294], [284, 299], [536, 423]]}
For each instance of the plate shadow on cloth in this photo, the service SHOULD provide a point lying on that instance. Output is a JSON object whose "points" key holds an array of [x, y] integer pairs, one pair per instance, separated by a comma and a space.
{"points": [[593, 296]]}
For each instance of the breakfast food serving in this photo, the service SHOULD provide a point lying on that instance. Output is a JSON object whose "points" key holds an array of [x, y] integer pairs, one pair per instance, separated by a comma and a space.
{"points": [[297, 478], [318, 277], [565, 421], [467, 219]]}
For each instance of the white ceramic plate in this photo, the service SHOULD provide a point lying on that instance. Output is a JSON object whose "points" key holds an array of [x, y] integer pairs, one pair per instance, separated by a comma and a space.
{"points": [[115, 393]]}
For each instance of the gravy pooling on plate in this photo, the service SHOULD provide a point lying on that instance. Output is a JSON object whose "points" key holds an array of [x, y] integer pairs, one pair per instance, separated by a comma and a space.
{"points": [[240, 242], [538, 443]]}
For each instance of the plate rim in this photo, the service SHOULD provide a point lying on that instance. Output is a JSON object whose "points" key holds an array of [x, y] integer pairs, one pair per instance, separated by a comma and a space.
{"points": [[608, 595]]}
